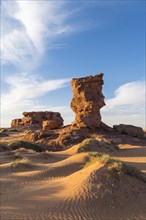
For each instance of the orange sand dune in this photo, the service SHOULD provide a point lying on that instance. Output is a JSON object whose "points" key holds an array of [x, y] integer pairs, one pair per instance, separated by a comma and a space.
{"points": [[56, 186]]}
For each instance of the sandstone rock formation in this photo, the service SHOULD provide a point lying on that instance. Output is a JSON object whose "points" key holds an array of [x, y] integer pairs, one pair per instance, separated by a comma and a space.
{"points": [[130, 130], [87, 101], [52, 124], [16, 122], [39, 119]]}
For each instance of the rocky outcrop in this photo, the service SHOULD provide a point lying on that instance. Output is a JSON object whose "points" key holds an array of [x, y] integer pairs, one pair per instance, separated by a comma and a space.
{"points": [[47, 120], [87, 101], [130, 130], [52, 124], [16, 122]]}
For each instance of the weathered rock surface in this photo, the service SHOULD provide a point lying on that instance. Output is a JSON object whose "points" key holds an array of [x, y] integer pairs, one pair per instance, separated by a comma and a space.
{"points": [[87, 101], [47, 120], [16, 122], [130, 130], [52, 124], [34, 136]]}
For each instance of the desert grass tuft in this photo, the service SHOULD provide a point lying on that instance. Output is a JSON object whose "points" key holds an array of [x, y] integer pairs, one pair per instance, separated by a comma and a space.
{"points": [[91, 161], [28, 131], [3, 130], [88, 143], [23, 162], [114, 166], [17, 155]]}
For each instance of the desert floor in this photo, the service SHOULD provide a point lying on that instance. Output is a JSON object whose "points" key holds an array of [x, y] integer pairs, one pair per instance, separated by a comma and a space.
{"points": [[57, 186]]}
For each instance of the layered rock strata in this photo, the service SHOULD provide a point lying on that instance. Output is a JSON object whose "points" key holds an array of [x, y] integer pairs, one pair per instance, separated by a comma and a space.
{"points": [[87, 101]]}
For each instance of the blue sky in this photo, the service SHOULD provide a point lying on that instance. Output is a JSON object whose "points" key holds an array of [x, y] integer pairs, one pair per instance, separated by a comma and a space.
{"points": [[44, 44]]}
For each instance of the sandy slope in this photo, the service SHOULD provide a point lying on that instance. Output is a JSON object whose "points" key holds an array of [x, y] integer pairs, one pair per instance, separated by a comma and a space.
{"points": [[134, 155], [57, 187]]}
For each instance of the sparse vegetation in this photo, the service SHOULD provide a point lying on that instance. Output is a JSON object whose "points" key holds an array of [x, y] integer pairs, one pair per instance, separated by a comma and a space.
{"points": [[54, 146], [88, 143], [28, 131], [23, 162], [3, 130], [24, 144], [17, 155], [91, 161], [3, 134], [113, 165], [116, 167], [13, 130]]}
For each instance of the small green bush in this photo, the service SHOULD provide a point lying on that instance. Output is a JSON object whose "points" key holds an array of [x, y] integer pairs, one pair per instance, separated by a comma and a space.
{"points": [[116, 167]]}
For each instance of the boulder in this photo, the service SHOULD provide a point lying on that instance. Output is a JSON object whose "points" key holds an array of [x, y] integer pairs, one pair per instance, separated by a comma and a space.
{"points": [[87, 101], [32, 136], [67, 139], [51, 124], [130, 130]]}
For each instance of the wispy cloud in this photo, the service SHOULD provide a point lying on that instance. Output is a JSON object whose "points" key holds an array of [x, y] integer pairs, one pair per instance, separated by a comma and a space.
{"points": [[128, 105], [30, 27], [129, 93], [26, 86], [24, 92]]}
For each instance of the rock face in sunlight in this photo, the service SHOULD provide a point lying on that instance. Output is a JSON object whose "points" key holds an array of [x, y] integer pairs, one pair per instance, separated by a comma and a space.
{"points": [[52, 124], [16, 122], [47, 120], [87, 101]]}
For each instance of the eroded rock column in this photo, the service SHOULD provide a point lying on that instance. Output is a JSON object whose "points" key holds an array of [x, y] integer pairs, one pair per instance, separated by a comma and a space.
{"points": [[87, 101]]}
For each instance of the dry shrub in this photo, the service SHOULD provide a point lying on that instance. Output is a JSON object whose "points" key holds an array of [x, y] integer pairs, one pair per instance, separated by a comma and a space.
{"points": [[20, 163], [114, 166], [17, 155], [24, 144], [92, 144]]}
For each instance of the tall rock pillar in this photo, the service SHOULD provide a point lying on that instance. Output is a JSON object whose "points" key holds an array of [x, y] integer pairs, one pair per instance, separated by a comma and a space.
{"points": [[87, 101]]}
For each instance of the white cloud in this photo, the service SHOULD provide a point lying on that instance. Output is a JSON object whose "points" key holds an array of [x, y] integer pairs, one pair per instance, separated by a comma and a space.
{"points": [[29, 29], [128, 105], [16, 48], [129, 93], [23, 94]]}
